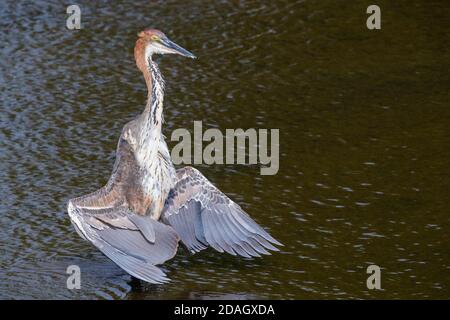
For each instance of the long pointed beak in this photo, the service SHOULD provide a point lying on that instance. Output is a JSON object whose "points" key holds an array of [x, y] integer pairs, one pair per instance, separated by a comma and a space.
{"points": [[174, 48]]}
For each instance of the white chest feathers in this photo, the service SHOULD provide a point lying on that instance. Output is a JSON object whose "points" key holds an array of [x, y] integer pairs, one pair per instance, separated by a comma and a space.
{"points": [[158, 174]]}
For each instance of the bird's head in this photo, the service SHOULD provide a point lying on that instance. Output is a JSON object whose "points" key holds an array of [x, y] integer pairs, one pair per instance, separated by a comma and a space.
{"points": [[152, 41]]}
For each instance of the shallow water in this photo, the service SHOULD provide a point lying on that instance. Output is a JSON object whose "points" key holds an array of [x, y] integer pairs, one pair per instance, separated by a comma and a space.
{"points": [[364, 142]]}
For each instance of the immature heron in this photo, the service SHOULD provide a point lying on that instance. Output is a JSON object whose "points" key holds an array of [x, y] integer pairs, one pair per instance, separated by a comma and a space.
{"points": [[147, 206]]}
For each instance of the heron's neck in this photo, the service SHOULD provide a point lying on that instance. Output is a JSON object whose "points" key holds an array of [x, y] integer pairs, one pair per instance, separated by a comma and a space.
{"points": [[152, 117], [152, 152]]}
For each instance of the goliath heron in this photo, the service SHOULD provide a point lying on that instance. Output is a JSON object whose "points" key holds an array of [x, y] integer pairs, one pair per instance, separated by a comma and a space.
{"points": [[146, 207]]}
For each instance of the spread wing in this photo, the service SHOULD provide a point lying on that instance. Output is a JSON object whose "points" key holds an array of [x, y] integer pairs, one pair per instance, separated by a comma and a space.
{"points": [[203, 216], [134, 246], [134, 242]]}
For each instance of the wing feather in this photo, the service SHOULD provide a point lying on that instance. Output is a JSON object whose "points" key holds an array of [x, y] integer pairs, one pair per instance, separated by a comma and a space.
{"points": [[204, 216], [136, 245], [145, 225]]}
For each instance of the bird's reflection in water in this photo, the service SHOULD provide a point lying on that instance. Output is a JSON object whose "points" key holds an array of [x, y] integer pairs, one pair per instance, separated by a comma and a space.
{"points": [[140, 290], [222, 296]]}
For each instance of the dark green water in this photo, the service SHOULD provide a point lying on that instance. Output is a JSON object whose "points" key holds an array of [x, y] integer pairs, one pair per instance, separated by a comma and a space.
{"points": [[364, 124]]}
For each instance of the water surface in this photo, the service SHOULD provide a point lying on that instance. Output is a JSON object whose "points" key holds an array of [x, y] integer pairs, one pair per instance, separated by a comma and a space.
{"points": [[364, 142]]}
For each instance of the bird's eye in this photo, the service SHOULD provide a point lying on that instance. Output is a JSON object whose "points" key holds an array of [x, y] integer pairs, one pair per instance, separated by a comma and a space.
{"points": [[155, 38]]}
